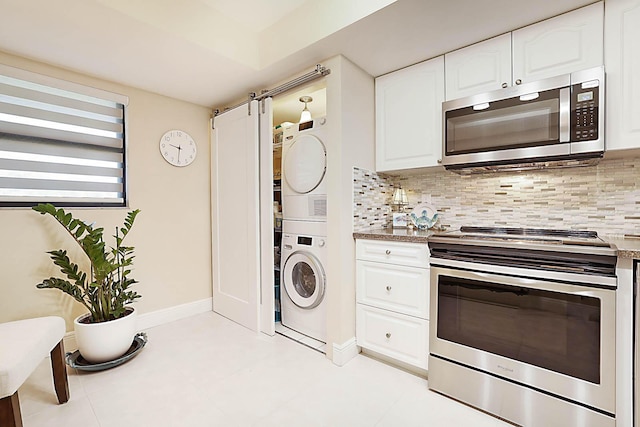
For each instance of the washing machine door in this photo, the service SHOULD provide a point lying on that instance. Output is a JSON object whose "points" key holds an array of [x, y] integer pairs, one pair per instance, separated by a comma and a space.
{"points": [[305, 163], [304, 280]]}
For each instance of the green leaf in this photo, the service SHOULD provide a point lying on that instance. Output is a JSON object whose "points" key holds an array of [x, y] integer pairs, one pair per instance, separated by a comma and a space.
{"points": [[104, 289]]}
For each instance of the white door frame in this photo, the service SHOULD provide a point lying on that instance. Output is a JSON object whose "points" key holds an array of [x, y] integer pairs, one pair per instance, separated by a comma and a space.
{"points": [[267, 299]]}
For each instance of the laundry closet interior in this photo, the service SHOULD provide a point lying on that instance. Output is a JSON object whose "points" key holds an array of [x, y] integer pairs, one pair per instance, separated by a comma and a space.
{"points": [[270, 163]]}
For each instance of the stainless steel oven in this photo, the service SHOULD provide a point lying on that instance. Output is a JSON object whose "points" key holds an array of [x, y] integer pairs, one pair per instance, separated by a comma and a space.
{"points": [[523, 324]]}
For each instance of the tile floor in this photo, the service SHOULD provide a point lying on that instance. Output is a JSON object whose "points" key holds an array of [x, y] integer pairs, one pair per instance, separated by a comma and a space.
{"points": [[208, 371]]}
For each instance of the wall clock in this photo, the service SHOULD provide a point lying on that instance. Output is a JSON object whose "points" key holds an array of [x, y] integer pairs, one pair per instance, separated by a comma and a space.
{"points": [[178, 148]]}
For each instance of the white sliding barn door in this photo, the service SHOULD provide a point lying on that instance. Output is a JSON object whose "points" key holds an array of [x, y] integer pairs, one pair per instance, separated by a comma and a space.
{"points": [[236, 216], [267, 309]]}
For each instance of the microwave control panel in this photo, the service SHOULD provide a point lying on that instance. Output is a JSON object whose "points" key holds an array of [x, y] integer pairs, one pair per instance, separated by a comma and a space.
{"points": [[584, 112]]}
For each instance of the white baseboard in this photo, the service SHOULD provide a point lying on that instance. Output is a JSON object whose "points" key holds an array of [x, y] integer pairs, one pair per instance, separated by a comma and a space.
{"points": [[166, 315], [156, 318], [342, 353]]}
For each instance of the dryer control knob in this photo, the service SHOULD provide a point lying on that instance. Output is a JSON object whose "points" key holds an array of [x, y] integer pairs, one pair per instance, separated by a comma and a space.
{"points": [[321, 243]]}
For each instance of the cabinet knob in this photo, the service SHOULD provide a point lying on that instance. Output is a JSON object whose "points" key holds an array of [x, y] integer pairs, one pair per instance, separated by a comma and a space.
{"points": [[388, 288], [439, 160], [504, 85], [388, 252], [388, 335], [518, 82]]}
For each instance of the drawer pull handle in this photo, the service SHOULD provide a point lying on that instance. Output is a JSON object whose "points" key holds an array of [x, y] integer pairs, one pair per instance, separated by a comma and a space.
{"points": [[388, 335], [388, 252], [388, 288]]}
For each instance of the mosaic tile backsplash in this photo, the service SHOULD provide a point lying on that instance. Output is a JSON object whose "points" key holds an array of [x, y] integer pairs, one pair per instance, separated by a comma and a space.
{"points": [[604, 198]]}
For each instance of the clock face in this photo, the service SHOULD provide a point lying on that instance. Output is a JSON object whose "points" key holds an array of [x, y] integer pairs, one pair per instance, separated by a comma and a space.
{"points": [[178, 148]]}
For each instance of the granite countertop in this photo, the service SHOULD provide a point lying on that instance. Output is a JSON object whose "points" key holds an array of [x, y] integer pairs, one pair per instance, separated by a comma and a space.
{"points": [[627, 247], [412, 235]]}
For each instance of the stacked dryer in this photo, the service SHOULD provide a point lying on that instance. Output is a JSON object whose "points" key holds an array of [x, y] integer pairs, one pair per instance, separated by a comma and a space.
{"points": [[304, 228]]}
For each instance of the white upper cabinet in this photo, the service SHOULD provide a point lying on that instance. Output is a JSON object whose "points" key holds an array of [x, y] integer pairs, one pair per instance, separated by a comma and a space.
{"points": [[409, 116], [569, 42], [622, 65], [481, 67], [560, 45]]}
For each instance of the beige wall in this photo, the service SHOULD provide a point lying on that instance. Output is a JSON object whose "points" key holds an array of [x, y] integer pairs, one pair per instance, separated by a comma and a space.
{"points": [[172, 235]]}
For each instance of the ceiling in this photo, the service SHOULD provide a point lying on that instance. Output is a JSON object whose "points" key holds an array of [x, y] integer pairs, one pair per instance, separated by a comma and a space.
{"points": [[214, 52]]}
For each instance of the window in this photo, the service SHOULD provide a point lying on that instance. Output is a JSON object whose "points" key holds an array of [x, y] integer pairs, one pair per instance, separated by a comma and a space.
{"points": [[60, 142]]}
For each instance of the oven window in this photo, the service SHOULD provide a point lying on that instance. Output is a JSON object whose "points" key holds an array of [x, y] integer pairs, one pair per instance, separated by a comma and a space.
{"points": [[505, 124], [555, 331]]}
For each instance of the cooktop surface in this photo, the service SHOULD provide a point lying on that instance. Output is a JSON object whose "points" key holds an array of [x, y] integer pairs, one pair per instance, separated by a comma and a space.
{"points": [[532, 235]]}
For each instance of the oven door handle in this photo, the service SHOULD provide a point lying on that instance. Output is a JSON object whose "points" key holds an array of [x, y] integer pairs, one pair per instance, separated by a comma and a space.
{"points": [[587, 280]]}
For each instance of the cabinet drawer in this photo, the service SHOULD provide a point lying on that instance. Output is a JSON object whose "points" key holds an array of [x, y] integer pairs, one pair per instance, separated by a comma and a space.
{"points": [[400, 337], [393, 287], [401, 253]]}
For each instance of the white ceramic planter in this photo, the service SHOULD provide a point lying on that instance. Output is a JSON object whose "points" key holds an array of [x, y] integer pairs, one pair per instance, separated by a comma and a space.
{"points": [[106, 341]]}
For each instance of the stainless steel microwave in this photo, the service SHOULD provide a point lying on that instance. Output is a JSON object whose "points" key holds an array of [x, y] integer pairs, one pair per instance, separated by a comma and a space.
{"points": [[556, 119]]}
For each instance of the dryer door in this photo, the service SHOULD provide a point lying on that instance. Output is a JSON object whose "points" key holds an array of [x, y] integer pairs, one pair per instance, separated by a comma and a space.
{"points": [[304, 279], [305, 163]]}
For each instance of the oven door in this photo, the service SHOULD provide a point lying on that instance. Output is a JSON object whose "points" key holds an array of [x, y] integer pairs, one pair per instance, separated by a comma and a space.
{"points": [[554, 337]]}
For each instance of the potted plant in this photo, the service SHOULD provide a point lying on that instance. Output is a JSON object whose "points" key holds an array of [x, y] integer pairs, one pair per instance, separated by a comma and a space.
{"points": [[107, 331]]}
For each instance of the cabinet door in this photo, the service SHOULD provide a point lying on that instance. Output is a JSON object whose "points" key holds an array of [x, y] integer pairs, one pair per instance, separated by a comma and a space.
{"points": [[409, 116], [560, 45], [481, 67], [401, 337], [401, 253], [398, 288], [622, 65]]}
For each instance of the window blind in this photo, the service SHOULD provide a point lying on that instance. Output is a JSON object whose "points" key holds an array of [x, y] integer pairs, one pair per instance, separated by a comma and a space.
{"points": [[60, 142]]}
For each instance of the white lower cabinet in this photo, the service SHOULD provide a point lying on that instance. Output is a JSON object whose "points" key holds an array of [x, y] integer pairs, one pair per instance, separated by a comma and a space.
{"points": [[401, 337], [392, 295]]}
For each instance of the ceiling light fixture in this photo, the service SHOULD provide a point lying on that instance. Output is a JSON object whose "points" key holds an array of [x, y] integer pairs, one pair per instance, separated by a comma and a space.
{"points": [[305, 116]]}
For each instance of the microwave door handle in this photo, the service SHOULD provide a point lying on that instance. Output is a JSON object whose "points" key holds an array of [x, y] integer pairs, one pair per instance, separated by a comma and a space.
{"points": [[565, 115]]}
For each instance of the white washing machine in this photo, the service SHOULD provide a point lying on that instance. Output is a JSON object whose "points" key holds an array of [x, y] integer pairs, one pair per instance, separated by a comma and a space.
{"points": [[302, 275], [304, 165]]}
